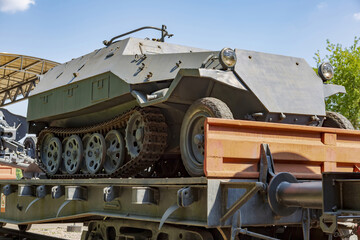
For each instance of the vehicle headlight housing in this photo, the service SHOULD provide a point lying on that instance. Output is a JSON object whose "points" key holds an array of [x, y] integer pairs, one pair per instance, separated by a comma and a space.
{"points": [[227, 58], [326, 71]]}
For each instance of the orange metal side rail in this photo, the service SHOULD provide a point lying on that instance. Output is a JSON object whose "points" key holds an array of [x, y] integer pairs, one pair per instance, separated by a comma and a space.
{"points": [[232, 149], [7, 172]]}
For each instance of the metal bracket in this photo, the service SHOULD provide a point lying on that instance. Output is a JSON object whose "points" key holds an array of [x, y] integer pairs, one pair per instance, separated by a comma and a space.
{"points": [[267, 169], [72, 193], [145, 195], [57, 192], [236, 229], [306, 223], [236, 225], [77, 193], [328, 223], [9, 189], [26, 191], [251, 189], [185, 197], [41, 192], [110, 193]]}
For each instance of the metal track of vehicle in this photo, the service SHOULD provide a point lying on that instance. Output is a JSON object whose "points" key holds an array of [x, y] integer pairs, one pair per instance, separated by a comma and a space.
{"points": [[155, 136], [8, 233]]}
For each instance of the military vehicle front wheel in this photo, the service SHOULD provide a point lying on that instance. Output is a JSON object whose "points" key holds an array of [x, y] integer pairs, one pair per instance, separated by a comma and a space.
{"points": [[336, 120], [192, 132]]}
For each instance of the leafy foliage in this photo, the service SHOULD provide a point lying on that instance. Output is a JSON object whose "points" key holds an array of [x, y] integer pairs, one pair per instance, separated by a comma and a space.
{"points": [[18, 173], [346, 62]]}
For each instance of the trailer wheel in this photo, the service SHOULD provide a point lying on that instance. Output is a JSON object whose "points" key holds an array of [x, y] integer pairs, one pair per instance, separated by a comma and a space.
{"points": [[192, 132], [24, 227], [336, 120]]}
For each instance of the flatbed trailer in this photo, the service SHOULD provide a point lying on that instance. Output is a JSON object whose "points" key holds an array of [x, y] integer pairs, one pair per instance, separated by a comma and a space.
{"points": [[262, 180]]}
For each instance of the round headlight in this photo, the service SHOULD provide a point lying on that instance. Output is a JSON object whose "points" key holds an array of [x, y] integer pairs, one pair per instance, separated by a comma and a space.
{"points": [[227, 58], [326, 71]]}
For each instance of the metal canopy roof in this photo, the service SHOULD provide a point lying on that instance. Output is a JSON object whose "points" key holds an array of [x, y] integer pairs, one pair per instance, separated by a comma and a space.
{"points": [[18, 76]]}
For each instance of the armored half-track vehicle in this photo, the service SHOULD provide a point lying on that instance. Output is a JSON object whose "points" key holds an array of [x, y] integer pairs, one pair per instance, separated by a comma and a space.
{"points": [[137, 106]]}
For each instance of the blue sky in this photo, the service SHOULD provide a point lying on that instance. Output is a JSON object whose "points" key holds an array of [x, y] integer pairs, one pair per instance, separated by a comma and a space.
{"points": [[62, 30]]}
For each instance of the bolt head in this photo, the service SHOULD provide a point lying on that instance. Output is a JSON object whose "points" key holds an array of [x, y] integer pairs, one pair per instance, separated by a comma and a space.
{"points": [[139, 134], [199, 139]]}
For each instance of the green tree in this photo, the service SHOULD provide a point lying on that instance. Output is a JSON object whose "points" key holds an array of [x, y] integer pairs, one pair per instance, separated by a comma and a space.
{"points": [[346, 63], [18, 173]]}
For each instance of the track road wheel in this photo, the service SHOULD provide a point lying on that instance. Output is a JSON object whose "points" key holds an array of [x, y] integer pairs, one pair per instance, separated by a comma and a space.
{"points": [[336, 120], [73, 154], [192, 132], [51, 150], [134, 134], [95, 153], [85, 140], [115, 151]]}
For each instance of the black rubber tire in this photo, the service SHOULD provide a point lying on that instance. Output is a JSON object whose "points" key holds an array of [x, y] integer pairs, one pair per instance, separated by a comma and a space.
{"points": [[336, 120], [24, 227], [209, 107]]}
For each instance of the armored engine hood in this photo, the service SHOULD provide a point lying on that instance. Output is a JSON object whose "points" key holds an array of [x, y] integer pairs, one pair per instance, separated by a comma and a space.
{"points": [[283, 84]]}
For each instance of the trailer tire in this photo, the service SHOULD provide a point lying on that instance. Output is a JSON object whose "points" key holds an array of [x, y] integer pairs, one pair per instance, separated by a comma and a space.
{"points": [[192, 132], [336, 120], [24, 227]]}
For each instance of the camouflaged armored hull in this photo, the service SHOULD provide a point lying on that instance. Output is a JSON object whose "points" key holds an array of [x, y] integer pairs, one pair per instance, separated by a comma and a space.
{"points": [[137, 107]]}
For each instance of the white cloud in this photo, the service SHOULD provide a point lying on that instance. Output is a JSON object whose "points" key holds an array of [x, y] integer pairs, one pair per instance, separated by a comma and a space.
{"points": [[13, 6], [322, 5], [357, 16]]}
